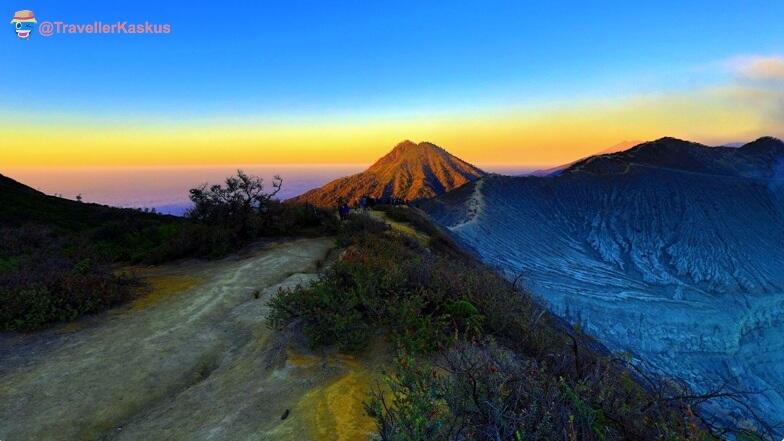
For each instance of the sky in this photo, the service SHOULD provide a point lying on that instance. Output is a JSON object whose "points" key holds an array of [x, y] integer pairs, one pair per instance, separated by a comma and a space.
{"points": [[314, 82]]}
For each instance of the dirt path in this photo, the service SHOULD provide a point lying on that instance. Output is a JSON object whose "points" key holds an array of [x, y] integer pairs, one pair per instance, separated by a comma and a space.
{"points": [[192, 361]]}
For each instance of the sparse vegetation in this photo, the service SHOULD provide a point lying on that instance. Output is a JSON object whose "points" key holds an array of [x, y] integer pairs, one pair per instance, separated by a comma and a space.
{"points": [[477, 359], [57, 256], [45, 279]]}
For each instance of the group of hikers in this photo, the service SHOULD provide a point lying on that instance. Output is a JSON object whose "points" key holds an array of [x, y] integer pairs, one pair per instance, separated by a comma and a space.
{"points": [[366, 203]]}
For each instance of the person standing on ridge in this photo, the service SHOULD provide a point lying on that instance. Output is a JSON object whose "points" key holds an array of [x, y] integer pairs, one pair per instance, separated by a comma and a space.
{"points": [[344, 211]]}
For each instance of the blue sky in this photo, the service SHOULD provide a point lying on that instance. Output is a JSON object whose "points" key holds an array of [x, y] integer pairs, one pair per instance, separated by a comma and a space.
{"points": [[298, 56], [389, 70]]}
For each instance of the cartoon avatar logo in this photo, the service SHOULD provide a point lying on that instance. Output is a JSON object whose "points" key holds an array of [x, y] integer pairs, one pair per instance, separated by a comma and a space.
{"points": [[23, 23]]}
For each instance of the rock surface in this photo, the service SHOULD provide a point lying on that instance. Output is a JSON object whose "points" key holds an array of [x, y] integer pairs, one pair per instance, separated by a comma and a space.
{"points": [[195, 365], [671, 251]]}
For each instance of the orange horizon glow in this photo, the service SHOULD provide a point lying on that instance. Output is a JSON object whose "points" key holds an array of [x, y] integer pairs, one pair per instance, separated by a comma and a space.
{"points": [[552, 135]]}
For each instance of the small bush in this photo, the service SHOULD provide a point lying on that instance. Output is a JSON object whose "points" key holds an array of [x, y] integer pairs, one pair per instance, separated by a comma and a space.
{"points": [[476, 392], [243, 208], [411, 404], [357, 224], [52, 282], [383, 279], [330, 314]]}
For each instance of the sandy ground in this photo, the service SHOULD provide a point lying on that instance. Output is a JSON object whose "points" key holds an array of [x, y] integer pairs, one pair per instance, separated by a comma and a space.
{"points": [[191, 360]]}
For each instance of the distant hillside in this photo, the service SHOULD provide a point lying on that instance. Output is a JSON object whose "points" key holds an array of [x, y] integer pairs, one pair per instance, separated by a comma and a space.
{"points": [[409, 172], [671, 251], [554, 171], [117, 234], [757, 159], [55, 255], [20, 204]]}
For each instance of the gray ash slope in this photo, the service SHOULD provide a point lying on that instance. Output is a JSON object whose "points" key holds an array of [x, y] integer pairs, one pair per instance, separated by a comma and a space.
{"points": [[671, 251]]}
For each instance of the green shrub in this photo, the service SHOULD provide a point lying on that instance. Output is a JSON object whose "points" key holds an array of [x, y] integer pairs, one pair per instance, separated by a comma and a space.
{"points": [[53, 280], [27, 308], [476, 392], [242, 206], [60, 296], [482, 391], [414, 325], [377, 285], [411, 404], [358, 224], [479, 359], [329, 314]]}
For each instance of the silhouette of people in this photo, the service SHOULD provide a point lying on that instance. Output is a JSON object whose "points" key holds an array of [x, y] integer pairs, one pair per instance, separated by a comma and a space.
{"points": [[344, 211]]}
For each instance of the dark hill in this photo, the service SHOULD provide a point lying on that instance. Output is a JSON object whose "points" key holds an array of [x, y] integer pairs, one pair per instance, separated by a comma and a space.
{"points": [[20, 204], [757, 159], [114, 234]]}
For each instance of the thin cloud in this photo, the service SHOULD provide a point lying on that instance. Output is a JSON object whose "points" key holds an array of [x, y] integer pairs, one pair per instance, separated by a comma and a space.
{"points": [[762, 68]]}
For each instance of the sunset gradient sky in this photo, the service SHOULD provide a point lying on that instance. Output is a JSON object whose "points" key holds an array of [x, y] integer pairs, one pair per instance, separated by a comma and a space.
{"points": [[343, 82]]}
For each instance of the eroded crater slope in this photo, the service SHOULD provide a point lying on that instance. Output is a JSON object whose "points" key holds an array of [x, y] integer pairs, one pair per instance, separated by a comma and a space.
{"points": [[672, 251]]}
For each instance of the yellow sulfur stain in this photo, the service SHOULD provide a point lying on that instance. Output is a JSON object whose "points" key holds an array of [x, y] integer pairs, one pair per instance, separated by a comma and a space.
{"points": [[335, 412], [162, 287], [409, 231], [299, 360], [401, 227]]}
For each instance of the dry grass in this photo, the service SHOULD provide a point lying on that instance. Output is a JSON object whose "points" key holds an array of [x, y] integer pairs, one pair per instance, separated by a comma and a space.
{"points": [[402, 227]]}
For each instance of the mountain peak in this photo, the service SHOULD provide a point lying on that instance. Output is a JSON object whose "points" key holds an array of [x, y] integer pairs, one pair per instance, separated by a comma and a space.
{"points": [[407, 143], [409, 172], [765, 144], [404, 145], [756, 159], [667, 143], [671, 139], [410, 147], [410, 151]]}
